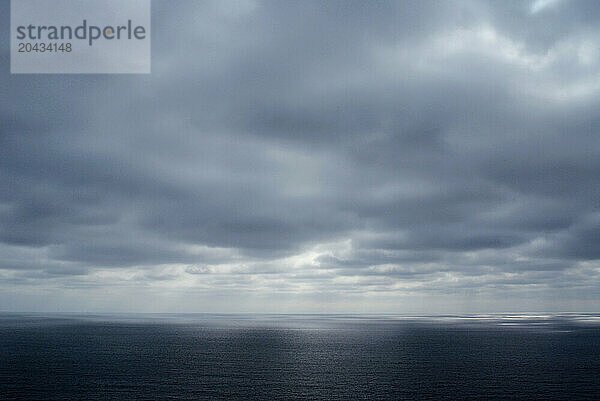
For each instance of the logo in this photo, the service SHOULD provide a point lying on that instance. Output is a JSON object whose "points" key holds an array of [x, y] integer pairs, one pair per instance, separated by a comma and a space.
{"points": [[80, 36]]}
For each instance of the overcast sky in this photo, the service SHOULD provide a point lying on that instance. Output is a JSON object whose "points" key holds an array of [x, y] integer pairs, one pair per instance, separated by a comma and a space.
{"points": [[313, 157]]}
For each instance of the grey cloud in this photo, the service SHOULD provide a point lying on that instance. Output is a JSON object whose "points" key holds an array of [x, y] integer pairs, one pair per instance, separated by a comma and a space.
{"points": [[314, 147]]}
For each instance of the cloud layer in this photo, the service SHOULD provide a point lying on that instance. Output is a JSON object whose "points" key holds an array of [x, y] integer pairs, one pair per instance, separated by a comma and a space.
{"points": [[310, 156]]}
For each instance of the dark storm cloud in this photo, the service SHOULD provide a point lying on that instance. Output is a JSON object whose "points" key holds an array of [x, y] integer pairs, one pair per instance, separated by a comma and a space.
{"points": [[309, 143]]}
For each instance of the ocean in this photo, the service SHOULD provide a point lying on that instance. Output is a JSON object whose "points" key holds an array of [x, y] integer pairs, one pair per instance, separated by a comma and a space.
{"points": [[299, 357]]}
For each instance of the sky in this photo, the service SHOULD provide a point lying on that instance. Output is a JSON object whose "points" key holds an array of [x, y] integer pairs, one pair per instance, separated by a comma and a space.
{"points": [[314, 157]]}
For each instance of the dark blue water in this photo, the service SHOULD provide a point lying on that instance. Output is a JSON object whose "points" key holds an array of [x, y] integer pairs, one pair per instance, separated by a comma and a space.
{"points": [[298, 357]]}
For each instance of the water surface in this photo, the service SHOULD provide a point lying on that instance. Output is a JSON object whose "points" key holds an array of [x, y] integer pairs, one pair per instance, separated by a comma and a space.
{"points": [[299, 357]]}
